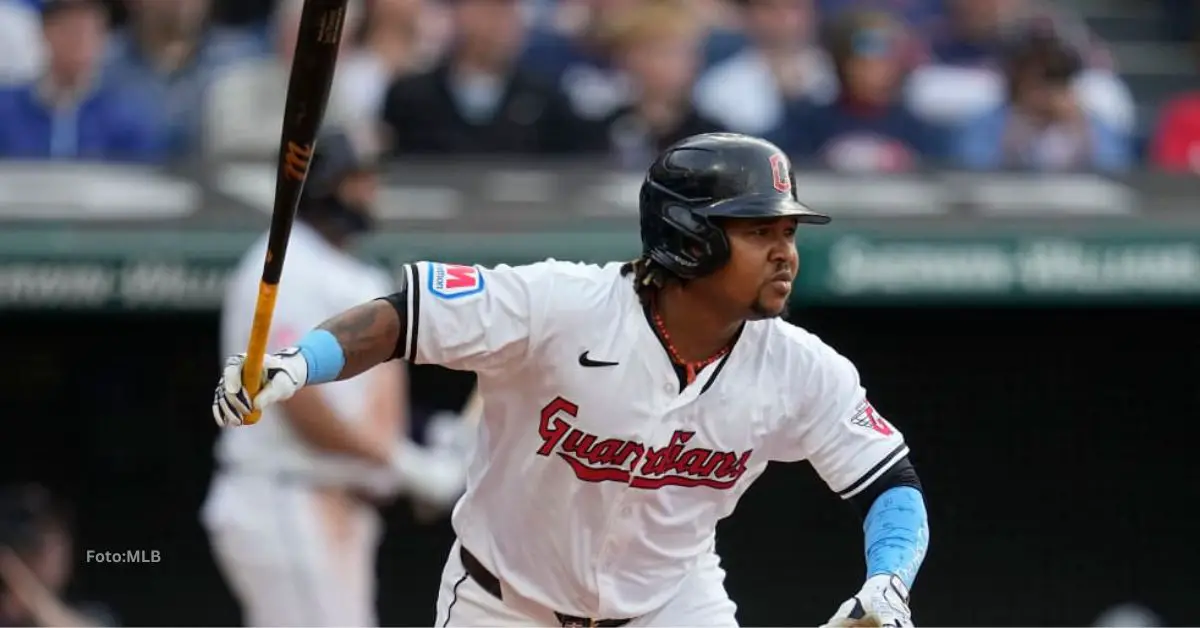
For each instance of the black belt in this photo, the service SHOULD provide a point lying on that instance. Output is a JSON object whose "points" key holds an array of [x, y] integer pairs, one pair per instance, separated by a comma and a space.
{"points": [[491, 584]]}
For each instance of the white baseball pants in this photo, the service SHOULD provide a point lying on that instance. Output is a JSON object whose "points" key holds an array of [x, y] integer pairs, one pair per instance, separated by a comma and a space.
{"points": [[702, 601], [293, 554]]}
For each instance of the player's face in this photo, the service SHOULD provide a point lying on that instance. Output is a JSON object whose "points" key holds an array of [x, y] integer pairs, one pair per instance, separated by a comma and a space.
{"points": [[762, 265], [359, 189], [357, 193]]}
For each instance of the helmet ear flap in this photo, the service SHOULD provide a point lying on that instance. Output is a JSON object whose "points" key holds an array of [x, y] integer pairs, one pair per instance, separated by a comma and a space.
{"points": [[691, 245]]}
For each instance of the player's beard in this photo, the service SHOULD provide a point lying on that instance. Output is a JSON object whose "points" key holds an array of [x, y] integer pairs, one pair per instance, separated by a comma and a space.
{"points": [[759, 311]]}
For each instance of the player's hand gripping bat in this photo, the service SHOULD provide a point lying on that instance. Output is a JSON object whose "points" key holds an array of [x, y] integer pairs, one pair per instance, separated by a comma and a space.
{"points": [[311, 78]]}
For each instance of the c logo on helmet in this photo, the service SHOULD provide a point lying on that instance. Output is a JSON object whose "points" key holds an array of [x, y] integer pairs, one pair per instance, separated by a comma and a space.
{"points": [[779, 172]]}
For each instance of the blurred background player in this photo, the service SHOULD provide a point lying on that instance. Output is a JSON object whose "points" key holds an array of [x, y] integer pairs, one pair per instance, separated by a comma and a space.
{"points": [[291, 512]]}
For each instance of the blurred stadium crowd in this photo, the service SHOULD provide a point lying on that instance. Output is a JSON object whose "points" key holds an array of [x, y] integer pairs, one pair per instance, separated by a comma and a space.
{"points": [[862, 85]]}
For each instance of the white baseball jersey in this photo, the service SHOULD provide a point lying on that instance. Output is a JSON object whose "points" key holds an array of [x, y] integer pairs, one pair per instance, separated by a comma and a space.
{"points": [[597, 483], [318, 282]]}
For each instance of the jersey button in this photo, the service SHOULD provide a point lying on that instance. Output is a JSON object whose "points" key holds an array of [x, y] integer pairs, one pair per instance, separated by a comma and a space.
{"points": [[627, 511]]}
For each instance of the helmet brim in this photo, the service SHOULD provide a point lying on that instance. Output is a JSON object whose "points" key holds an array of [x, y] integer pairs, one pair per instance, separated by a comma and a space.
{"points": [[764, 206]]}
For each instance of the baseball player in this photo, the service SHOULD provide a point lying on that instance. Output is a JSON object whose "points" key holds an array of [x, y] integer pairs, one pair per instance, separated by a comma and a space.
{"points": [[627, 407], [291, 513]]}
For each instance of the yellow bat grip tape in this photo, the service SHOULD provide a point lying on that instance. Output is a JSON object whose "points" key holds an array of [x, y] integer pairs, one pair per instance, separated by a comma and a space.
{"points": [[260, 331]]}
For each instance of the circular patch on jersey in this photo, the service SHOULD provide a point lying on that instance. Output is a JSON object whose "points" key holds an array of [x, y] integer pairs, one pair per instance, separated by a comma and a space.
{"points": [[453, 281]]}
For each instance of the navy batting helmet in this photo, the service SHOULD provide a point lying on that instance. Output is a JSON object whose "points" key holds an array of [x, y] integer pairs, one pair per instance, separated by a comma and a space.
{"points": [[713, 175], [339, 154]]}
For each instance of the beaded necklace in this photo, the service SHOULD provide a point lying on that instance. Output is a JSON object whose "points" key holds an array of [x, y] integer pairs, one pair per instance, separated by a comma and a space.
{"points": [[690, 368]]}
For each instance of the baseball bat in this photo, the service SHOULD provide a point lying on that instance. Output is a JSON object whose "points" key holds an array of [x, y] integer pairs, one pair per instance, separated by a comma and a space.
{"points": [[309, 83]]}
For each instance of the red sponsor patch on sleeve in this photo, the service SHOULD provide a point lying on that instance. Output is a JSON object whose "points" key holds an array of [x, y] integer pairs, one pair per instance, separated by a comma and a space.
{"points": [[452, 281]]}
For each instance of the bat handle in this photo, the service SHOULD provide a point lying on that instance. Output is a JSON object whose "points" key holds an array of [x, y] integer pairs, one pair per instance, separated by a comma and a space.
{"points": [[251, 368], [260, 330]]}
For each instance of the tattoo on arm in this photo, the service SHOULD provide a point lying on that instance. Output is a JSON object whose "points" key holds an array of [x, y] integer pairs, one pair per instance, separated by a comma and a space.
{"points": [[368, 334]]}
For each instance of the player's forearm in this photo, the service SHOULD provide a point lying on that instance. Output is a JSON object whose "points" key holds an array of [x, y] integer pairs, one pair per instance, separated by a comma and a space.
{"points": [[897, 533], [318, 426], [352, 342]]}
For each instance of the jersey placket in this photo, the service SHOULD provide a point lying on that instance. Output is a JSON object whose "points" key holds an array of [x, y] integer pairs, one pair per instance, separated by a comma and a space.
{"points": [[621, 527], [616, 539], [620, 532], [625, 524]]}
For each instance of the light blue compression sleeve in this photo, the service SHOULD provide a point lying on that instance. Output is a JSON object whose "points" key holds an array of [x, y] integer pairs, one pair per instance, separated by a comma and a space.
{"points": [[323, 354], [897, 533]]}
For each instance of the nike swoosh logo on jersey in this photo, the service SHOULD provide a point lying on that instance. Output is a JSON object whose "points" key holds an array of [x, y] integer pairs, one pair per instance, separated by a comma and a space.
{"points": [[587, 362]]}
